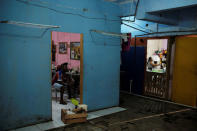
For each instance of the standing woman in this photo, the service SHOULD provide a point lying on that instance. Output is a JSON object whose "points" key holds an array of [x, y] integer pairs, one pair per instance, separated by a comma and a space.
{"points": [[69, 82]]}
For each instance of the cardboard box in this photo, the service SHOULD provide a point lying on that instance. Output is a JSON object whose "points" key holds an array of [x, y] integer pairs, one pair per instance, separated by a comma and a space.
{"points": [[72, 118]]}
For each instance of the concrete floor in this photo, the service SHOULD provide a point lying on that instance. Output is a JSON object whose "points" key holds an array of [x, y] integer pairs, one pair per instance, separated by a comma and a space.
{"points": [[138, 107], [56, 116]]}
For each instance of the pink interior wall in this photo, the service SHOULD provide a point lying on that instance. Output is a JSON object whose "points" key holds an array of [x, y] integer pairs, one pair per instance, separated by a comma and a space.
{"points": [[62, 58]]}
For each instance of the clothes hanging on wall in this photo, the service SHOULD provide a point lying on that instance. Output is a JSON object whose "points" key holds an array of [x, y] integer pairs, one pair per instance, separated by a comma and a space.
{"points": [[126, 42]]}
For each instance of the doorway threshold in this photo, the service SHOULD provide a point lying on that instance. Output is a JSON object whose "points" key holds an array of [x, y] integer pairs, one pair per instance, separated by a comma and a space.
{"points": [[57, 123]]}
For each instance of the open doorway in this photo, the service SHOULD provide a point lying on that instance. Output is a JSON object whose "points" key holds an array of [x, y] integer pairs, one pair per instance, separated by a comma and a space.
{"points": [[67, 71], [156, 74]]}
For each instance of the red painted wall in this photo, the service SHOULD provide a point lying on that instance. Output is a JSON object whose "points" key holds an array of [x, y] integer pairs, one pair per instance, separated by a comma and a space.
{"points": [[140, 41]]}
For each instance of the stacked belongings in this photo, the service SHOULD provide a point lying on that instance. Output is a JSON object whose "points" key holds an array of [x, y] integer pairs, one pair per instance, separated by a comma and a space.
{"points": [[77, 115]]}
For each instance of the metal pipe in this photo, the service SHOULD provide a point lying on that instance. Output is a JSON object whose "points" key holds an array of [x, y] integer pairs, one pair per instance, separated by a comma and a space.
{"points": [[135, 62], [109, 33], [135, 11], [29, 24], [167, 32]]}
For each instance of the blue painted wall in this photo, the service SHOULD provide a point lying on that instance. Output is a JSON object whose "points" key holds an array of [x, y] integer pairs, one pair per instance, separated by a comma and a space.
{"points": [[133, 65], [25, 93], [165, 5], [127, 65], [163, 11], [140, 24], [187, 22], [179, 15], [127, 7]]}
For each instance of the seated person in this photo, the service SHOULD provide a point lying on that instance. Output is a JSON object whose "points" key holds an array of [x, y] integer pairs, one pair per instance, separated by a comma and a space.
{"points": [[58, 84], [151, 64]]}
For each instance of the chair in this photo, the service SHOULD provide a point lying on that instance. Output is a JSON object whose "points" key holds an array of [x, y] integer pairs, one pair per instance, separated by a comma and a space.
{"points": [[56, 87]]}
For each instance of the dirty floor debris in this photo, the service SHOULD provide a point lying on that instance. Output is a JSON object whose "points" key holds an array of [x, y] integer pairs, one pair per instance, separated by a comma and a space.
{"points": [[137, 107]]}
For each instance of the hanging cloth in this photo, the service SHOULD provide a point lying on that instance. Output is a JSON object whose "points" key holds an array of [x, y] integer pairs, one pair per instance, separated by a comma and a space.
{"points": [[126, 41]]}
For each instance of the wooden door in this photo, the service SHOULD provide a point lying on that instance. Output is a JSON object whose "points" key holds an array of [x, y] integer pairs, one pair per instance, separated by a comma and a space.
{"points": [[184, 88]]}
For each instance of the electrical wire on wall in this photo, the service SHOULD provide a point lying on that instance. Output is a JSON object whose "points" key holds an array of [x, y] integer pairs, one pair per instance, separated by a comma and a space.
{"points": [[128, 2], [57, 5], [105, 38], [139, 26], [43, 5], [135, 13], [134, 19]]}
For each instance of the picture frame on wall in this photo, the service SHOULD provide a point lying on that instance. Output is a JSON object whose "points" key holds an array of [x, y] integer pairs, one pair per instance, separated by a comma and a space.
{"points": [[75, 50], [63, 47]]}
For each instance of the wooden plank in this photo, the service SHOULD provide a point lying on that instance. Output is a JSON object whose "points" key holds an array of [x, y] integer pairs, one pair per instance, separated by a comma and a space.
{"points": [[168, 60], [79, 120], [65, 115], [81, 69], [73, 118], [51, 75]]}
